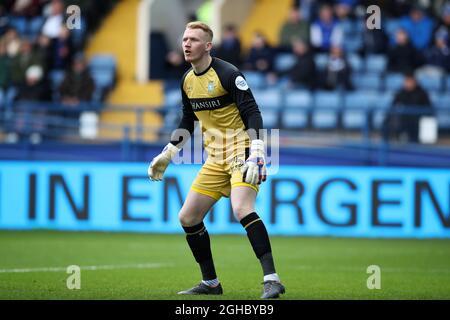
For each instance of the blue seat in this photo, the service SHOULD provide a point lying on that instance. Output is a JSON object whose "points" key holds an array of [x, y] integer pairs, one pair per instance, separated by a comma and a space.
{"points": [[354, 119], [448, 83], [367, 81], [327, 99], [443, 118], [391, 25], [376, 63], [443, 101], [326, 109], [355, 62], [353, 44], [270, 98], [360, 99], [104, 79], [255, 80], [381, 104], [103, 61], [321, 60], [19, 23], [294, 119], [270, 118], [430, 83], [356, 106], [172, 98], [56, 77], [298, 99], [393, 81], [284, 61]]}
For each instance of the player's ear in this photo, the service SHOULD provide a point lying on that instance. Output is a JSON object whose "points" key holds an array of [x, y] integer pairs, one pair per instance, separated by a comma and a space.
{"points": [[208, 46]]}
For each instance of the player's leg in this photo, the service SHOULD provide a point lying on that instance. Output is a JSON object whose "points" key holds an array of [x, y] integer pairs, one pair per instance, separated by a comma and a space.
{"points": [[243, 203], [191, 215]]}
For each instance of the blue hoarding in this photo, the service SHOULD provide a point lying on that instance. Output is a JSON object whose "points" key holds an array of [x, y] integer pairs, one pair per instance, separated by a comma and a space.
{"points": [[298, 200]]}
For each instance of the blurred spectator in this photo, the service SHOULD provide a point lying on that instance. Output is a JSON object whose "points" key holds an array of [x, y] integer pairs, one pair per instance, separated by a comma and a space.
{"points": [[325, 31], [53, 23], [403, 56], [304, 70], [4, 77], [78, 85], [294, 28], [438, 56], [419, 27], [230, 47], [375, 41], [307, 8], [35, 87], [411, 97], [12, 42], [338, 71], [176, 65], [60, 50], [21, 62], [444, 25], [261, 55], [4, 20], [29, 123]]}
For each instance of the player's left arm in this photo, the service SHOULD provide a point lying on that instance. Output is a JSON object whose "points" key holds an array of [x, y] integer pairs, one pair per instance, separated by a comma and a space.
{"points": [[254, 169]]}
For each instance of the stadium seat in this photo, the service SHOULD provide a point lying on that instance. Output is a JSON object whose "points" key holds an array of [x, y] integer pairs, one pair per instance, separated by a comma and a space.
{"points": [[356, 106], [326, 110], [172, 98], [103, 61], [381, 104], [353, 44], [443, 101], [327, 99], [355, 62], [393, 81], [270, 98], [270, 118], [448, 83], [376, 63], [284, 61], [360, 99], [367, 81], [430, 83], [391, 25], [255, 80], [321, 60], [298, 99], [294, 119]]}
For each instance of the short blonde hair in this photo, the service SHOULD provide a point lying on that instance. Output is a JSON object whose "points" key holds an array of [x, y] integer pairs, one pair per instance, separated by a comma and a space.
{"points": [[202, 26]]}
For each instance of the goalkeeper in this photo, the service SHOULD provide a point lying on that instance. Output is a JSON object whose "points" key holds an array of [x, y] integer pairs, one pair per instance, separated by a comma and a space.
{"points": [[216, 94]]}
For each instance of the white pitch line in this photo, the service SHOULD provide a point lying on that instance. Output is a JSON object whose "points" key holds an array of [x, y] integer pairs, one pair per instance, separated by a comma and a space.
{"points": [[90, 268]]}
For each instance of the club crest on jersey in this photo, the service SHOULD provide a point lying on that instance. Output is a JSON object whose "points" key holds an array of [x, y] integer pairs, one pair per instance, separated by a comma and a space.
{"points": [[211, 87]]}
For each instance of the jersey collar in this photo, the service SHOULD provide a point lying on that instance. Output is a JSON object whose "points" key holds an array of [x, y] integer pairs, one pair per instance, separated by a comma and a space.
{"points": [[206, 70]]}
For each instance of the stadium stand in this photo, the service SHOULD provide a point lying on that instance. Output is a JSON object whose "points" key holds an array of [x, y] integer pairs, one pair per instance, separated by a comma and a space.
{"points": [[119, 101]]}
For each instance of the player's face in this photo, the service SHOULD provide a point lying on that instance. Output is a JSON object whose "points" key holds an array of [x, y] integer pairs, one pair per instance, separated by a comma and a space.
{"points": [[195, 44]]}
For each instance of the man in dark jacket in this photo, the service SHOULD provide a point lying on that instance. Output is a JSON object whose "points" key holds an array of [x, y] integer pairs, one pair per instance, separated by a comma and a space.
{"points": [[410, 103]]}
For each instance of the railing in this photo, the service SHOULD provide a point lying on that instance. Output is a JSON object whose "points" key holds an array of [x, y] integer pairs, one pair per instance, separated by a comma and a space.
{"points": [[58, 123]]}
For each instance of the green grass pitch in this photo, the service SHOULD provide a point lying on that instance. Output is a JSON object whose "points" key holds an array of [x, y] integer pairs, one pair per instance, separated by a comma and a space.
{"points": [[149, 266]]}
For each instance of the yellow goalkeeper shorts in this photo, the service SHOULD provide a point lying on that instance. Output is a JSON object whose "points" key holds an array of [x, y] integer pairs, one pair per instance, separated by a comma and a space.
{"points": [[216, 179]]}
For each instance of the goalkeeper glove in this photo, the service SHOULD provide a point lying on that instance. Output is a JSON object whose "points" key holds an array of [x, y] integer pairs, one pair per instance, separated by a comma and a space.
{"points": [[254, 169], [160, 162]]}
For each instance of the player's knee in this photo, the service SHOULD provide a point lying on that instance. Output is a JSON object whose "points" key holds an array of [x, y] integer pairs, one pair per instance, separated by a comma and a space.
{"points": [[187, 220], [241, 211]]}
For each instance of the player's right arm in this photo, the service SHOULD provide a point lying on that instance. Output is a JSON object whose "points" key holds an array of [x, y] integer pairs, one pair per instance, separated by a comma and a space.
{"points": [[179, 137]]}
